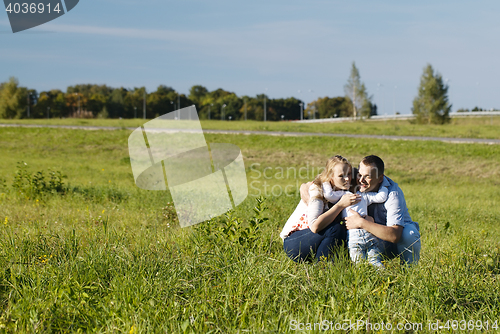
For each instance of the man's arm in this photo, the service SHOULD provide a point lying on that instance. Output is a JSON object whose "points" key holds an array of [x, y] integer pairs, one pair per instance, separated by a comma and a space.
{"points": [[387, 233]]}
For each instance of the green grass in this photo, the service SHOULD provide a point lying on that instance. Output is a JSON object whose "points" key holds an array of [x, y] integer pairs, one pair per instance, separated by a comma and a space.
{"points": [[467, 127], [105, 256]]}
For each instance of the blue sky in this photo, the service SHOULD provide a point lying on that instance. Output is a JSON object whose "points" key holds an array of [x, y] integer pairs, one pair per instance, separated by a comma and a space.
{"points": [[301, 48]]}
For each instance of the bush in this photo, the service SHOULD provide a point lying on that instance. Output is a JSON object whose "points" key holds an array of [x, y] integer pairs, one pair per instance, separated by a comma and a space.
{"points": [[39, 183]]}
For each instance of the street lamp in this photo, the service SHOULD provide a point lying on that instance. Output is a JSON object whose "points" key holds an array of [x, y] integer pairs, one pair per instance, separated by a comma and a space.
{"points": [[265, 109], [211, 105], [478, 102], [78, 94], [29, 102], [383, 97], [48, 112], [301, 104], [144, 104], [310, 91], [135, 112], [282, 117], [245, 108], [222, 116], [448, 87], [395, 87]]}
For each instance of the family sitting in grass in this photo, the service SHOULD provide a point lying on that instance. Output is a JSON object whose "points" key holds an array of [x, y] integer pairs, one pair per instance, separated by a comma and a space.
{"points": [[376, 217]]}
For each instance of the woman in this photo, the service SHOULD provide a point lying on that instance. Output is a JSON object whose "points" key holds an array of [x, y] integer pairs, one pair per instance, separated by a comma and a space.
{"points": [[315, 229]]}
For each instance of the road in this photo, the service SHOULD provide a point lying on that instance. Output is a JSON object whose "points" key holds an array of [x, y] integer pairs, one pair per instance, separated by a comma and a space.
{"points": [[278, 133]]}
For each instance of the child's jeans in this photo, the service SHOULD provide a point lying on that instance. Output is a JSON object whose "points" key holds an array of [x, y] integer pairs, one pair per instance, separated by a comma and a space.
{"points": [[364, 245]]}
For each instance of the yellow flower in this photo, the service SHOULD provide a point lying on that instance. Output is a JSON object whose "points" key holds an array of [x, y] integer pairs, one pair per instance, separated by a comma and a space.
{"points": [[6, 220], [103, 211], [133, 330]]}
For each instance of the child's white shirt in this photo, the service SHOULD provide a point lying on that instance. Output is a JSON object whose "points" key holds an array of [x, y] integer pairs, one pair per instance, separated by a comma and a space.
{"points": [[366, 198]]}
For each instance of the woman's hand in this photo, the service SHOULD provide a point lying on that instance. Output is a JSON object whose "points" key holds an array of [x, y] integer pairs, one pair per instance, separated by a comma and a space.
{"points": [[348, 200]]}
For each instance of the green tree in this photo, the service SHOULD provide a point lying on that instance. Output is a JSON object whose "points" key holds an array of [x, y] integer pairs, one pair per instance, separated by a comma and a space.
{"points": [[87, 100], [134, 102], [115, 107], [53, 101], [197, 94], [431, 105], [356, 92], [288, 108], [13, 100], [329, 107]]}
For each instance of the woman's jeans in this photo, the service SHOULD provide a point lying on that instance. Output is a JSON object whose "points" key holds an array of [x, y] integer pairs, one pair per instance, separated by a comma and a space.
{"points": [[302, 245]]}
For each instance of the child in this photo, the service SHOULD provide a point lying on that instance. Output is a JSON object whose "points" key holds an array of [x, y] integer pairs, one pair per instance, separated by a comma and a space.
{"points": [[362, 244]]}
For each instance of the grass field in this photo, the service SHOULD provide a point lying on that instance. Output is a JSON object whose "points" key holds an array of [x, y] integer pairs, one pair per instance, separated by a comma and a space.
{"points": [[471, 127], [97, 254]]}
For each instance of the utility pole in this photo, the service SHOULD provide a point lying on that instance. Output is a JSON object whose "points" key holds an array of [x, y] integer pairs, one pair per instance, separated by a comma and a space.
{"points": [[179, 105], [265, 108], [265, 111], [395, 87], [144, 104], [245, 108], [222, 115]]}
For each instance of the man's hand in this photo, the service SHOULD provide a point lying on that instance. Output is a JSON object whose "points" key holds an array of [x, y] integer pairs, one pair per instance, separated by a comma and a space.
{"points": [[304, 191], [387, 233], [354, 221]]}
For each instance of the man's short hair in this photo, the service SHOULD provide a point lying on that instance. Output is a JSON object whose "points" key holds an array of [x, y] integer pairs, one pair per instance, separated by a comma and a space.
{"points": [[373, 160]]}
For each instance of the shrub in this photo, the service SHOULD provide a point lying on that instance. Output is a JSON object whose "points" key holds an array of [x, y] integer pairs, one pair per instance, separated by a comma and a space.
{"points": [[38, 183]]}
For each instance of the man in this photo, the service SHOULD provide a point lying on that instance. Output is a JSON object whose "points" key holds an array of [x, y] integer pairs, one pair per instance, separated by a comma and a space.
{"points": [[391, 221], [393, 224]]}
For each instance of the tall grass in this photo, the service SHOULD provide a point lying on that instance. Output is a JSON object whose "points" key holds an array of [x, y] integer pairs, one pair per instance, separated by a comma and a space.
{"points": [[468, 127], [105, 256]]}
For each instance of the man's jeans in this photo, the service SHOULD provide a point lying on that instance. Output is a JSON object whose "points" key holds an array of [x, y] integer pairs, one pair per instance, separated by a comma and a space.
{"points": [[408, 247], [300, 245]]}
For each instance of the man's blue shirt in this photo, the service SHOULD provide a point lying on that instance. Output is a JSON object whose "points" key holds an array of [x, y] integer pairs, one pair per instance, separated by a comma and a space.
{"points": [[393, 211]]}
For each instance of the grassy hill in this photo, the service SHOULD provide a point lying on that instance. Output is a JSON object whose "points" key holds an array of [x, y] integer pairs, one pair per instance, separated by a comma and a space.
{"points": [[93, 253]]}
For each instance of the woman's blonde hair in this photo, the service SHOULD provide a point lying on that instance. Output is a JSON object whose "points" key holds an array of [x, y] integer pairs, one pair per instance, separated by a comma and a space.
{"points": [[327, 174]]}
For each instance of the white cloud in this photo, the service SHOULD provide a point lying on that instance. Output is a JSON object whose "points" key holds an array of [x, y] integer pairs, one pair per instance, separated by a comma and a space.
{"points": [[269, 46]]}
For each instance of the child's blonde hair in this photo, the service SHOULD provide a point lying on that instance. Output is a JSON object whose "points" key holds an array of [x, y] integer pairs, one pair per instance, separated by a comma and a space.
{"points": [[327, 174]]}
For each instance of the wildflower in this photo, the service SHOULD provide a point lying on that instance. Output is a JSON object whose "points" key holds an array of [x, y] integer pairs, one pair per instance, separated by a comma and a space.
{"points": [[103, 211], [6, 221]]}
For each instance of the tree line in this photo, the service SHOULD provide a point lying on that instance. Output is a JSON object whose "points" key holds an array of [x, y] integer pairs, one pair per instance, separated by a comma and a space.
{"points": [[431, 104], [101, 101]]}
